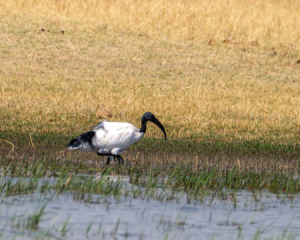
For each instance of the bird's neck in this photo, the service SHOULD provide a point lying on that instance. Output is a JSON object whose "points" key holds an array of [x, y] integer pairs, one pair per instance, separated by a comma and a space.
{"points": [[144, 124]]}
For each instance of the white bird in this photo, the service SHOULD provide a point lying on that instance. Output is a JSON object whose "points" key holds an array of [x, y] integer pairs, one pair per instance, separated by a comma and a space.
{"points": [[111, 138]]}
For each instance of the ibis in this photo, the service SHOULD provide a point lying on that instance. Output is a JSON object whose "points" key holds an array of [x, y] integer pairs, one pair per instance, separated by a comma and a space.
{"points": [[111, 138]]}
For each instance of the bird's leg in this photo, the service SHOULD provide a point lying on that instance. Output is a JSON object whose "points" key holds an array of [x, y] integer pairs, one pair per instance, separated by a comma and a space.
{"points": [[109, 155], [106, 154], [120, 159], [108, 159]]}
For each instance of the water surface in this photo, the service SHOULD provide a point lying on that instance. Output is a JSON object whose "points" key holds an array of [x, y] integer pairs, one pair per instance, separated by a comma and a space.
{"points": [[73, 215]]}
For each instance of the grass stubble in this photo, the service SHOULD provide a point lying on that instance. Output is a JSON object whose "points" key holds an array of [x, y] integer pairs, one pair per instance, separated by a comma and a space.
{"points": [[223, 78]]}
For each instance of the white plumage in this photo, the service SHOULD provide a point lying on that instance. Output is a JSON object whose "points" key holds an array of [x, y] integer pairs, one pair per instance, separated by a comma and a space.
{"points": [[116, 136], [111, 138]]}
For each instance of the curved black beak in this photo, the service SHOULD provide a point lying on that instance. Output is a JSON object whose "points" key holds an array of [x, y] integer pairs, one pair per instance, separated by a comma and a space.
{"points": [[157, 123]]}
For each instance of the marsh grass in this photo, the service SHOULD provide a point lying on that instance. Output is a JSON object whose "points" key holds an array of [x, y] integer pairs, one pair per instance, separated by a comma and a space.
{"points": [[207, 184], [208, 187], [191, 177], [29, 221], [64, 228], [34, 219], [166, 224]]}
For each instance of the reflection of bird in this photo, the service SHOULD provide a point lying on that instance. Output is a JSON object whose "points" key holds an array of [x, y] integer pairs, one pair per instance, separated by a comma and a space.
{"points": [[111, 138]]}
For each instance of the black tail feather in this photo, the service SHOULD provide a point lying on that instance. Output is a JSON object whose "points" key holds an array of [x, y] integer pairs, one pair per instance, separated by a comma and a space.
{"points": [[82, 139]]}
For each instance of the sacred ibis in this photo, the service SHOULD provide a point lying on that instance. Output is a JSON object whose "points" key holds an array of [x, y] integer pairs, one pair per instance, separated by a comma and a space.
{"points": [[111, 138]]}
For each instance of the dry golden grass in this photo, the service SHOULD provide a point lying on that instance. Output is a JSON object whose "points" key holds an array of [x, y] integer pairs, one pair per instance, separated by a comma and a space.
{"points": [[271, 21], [61, 61]]}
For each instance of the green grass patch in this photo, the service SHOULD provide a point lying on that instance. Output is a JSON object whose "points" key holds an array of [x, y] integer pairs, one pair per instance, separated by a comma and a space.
{"points": [[48, 142]]}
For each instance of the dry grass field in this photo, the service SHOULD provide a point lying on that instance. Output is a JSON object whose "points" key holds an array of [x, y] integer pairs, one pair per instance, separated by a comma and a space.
{"points": [[212, 71]]}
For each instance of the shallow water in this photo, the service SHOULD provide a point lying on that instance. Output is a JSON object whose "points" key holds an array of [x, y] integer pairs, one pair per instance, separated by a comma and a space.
{"points": [[248, 215]]}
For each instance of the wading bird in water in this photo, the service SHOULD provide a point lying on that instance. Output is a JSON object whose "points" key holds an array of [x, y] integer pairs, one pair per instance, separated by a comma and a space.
{"points": [[111, 138]]}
